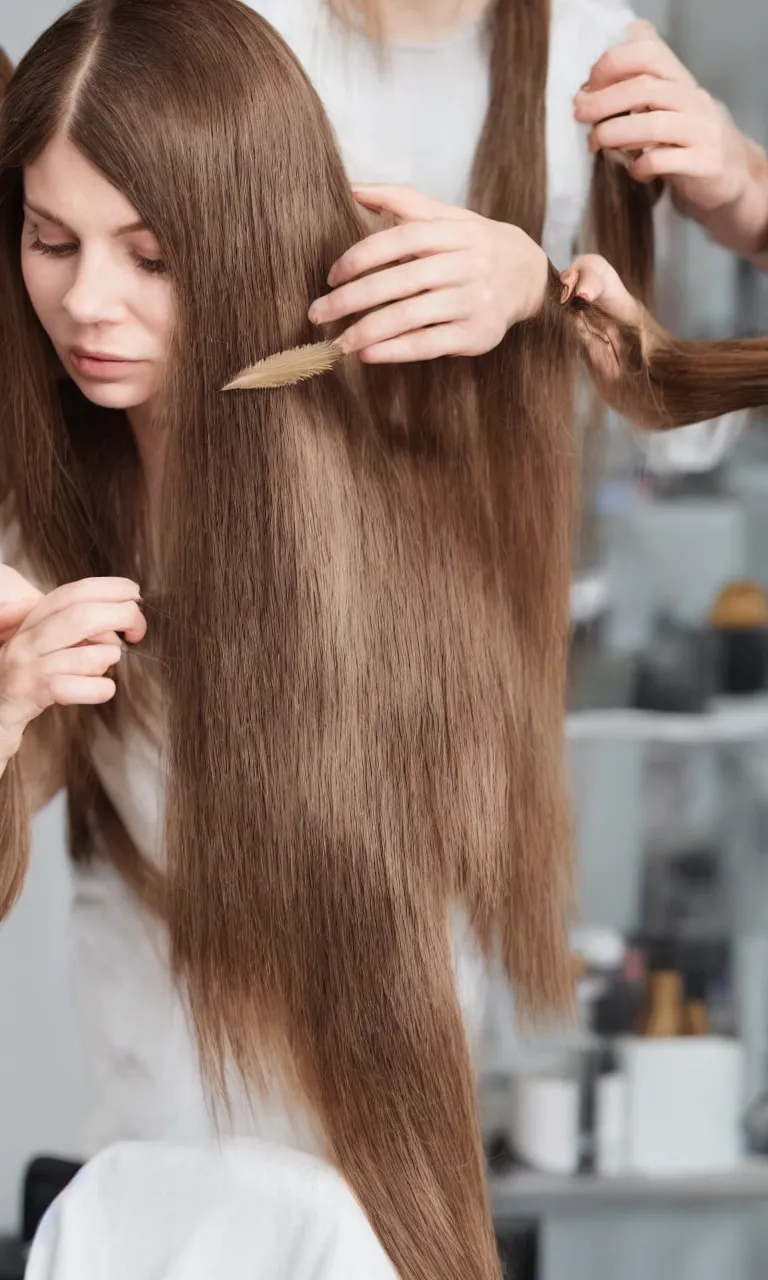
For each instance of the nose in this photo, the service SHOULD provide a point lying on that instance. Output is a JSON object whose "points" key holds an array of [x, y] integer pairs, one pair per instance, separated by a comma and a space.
{"points": [[94, 296]]}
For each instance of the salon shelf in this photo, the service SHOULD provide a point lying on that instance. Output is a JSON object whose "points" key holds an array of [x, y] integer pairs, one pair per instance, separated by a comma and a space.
{"points": [[730, 720], [522, 1194]]}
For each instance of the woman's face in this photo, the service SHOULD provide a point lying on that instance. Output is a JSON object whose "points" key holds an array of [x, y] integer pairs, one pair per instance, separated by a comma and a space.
{"points": [[95, 279]]}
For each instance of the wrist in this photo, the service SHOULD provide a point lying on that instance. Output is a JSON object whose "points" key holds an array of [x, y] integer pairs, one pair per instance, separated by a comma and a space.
{"points": [[10, 741], [538, 276], [741, 223]]}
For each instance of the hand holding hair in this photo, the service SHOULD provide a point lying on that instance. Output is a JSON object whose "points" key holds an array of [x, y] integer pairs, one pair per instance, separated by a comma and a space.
{"points": [[654, 378], [645, 105], [442, 282], [58, 647]]}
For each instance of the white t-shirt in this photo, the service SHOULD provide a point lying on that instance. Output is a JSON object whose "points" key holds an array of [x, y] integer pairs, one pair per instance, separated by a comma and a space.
{"points": [[416, 116], [415, 119]]}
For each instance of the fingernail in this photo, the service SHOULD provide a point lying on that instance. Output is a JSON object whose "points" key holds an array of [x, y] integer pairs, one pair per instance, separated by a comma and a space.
{"points": [[313, 314]]}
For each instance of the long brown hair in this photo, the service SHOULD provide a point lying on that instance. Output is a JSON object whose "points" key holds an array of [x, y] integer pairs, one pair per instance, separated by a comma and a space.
{"points": [[363, 622]]}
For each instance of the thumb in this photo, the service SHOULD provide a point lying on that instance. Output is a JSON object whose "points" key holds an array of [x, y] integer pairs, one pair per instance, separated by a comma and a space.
{"points": [[641, 29], [17, 598]]}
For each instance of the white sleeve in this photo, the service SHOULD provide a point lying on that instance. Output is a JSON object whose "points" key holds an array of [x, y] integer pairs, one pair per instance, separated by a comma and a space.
{"points": [[698, 448]]}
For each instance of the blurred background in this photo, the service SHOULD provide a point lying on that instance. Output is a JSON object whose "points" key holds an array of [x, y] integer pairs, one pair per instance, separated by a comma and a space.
{"points": [[637, 1142]]}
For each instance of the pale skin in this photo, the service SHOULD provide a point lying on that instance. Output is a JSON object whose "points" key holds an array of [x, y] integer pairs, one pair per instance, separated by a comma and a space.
{"points": [[450, 283]]}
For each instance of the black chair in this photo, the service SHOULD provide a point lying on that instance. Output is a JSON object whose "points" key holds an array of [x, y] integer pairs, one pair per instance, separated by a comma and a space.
{"points": [[44, 1178]]}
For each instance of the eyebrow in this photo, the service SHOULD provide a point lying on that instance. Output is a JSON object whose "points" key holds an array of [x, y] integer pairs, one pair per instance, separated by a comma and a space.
{"points": [[47, 216]]}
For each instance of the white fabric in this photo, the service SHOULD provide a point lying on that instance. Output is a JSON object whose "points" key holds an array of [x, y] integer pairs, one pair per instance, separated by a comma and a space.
{"points": [[249, 1211]]}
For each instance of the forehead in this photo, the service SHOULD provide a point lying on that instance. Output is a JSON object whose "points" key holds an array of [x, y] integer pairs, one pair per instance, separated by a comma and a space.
{"points": [[64, 183]]}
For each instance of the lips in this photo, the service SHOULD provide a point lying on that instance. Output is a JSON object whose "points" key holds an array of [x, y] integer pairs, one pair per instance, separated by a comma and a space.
{"points": [[104, 357], [100, 366]]}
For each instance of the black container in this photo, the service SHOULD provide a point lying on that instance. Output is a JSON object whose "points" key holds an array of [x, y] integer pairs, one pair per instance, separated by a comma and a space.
{"points": [[679, 671], [742, 660]]}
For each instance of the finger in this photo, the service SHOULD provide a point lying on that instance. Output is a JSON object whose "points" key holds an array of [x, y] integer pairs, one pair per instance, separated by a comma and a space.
{"points": [[648, 129], [438, 307], [86, 590], [404, 202], [599, 283], [17, 598], [383, 248], [642, 29], [15, 588], [641, 93], [643, 57], [673, 162], [425, 344], [69, 691], [80, 622], [403, 281], [84, 660], [12, 614], [587, 276]]}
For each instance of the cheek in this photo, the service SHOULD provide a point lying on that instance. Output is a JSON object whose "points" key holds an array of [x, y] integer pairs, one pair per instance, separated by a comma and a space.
{"points": [[157, 314], [42, 286]]}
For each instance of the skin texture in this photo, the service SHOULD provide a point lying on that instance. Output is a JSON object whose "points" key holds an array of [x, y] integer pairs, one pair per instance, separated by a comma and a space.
{"points": [[643, 103], [459, 283], [472, 279]]}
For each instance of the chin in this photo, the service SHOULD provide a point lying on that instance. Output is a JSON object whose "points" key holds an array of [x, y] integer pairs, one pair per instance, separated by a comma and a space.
{"points": [[112, 395]]}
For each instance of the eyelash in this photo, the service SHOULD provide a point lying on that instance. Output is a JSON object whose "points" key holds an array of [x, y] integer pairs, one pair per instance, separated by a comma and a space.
{"points": [[153, 266]]}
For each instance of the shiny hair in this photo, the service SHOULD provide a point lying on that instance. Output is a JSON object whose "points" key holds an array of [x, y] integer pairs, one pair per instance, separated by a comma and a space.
{"points": [[361, 615]]}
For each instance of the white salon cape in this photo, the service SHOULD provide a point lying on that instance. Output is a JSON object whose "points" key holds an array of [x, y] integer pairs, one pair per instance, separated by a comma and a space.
{"points": [[247, 1211]]}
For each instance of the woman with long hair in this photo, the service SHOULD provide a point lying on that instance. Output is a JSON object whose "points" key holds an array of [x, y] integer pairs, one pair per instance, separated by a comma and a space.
{"points": [[297, 654], [345, 720]]}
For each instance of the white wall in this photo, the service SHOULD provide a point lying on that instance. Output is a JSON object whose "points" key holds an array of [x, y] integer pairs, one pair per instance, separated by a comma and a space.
{"points": [[21, 24]]}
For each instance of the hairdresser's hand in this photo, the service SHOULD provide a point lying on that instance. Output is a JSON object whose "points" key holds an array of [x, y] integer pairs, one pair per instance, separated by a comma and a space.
{"points": [[645, 105], [593, 280], [446, 282], [61, 649]]}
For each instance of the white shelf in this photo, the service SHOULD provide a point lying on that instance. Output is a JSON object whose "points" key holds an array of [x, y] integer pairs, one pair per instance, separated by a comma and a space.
{"points": [[730, 720], [513, 1194]]}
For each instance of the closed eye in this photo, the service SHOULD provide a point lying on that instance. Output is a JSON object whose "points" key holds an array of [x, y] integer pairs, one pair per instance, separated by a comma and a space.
{"points": [[55, 250]]}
